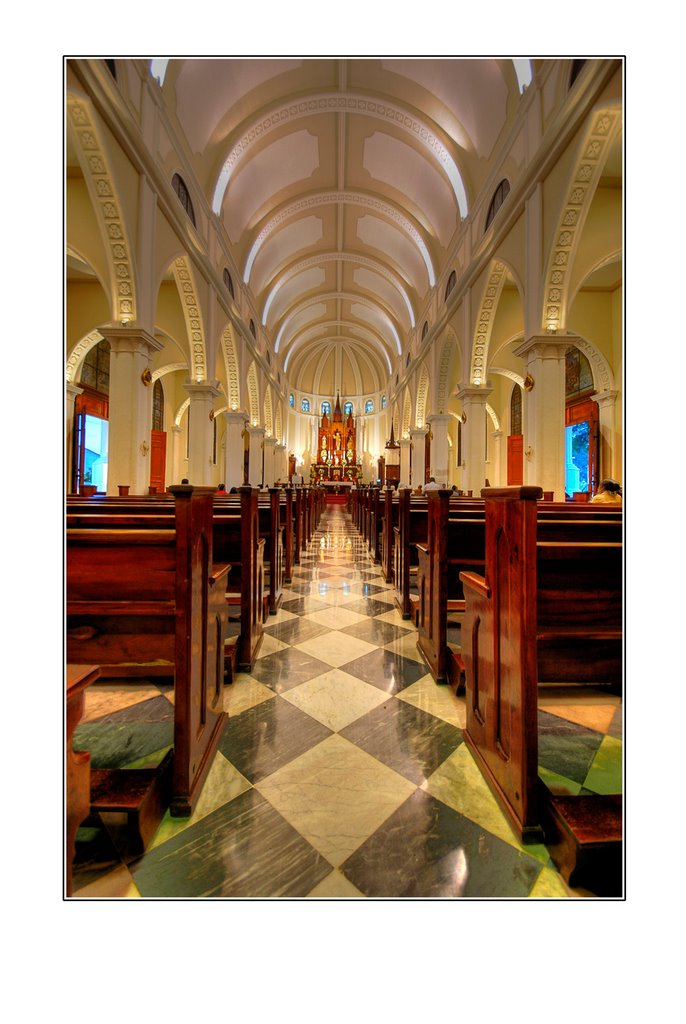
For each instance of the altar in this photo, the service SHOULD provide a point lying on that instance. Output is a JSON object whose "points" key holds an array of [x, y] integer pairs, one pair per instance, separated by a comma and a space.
{"points": [[336, 457]]}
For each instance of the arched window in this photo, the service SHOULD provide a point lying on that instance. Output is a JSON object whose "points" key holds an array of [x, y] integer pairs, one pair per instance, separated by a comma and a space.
{"points": [[291, 400], [95, 371], [497, 201], [369, 405], [157, 406], [326, 408], [425, 328], [269, 357], [577, 67], [252, 328], [452, 281], [228, 281], [383, 401], [179, 186], [305, 405], [348, 408], [578, 373], [516, 410]]}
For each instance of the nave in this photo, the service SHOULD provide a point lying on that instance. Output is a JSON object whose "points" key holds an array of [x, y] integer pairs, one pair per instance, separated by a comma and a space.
{"points": [[342, 771]]}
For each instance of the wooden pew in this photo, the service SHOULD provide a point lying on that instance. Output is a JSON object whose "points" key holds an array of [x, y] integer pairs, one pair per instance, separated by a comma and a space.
{"points": [[77, 772], [545, 611], [236, 541], [146, 602], [390, 521]]}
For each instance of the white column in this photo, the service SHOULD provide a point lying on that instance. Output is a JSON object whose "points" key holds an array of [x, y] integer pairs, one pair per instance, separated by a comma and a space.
{"points": [[494, 469], [404, 444], [234, 448], [608, 454], [178, 455], [269, 476], [281, 462], [130, 415], [544, 411], [440, 449], [417, 464], [72, 391], [474, 437], [201, 430], [256, 435]]}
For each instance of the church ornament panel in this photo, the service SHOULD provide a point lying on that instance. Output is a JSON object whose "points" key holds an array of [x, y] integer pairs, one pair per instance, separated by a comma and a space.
{"points": [[336, 456]]}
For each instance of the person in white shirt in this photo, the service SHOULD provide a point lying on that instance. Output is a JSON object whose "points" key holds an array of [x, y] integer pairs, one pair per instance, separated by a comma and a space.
{"points": [[432, 485]]}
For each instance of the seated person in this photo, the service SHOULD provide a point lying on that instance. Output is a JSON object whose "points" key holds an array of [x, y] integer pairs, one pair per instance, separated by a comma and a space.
{"points": [[609, 492], [432, 485]]}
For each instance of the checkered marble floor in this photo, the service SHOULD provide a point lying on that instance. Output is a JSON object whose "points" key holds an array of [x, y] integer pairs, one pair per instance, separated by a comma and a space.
{"points": [[342, 771]]}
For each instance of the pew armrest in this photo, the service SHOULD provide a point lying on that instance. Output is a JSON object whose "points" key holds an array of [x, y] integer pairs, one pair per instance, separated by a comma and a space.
{"points": [[472, 581], [219, 573]]}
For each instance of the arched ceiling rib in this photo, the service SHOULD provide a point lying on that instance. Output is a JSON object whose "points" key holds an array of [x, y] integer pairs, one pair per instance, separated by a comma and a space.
{"points": [[340, 185]]}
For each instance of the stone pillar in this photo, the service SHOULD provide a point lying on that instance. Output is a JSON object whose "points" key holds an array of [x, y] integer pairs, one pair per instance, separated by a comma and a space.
{"points": [[72, 391], [544, 411], [234, 448], [281, 463], [474, 402], [201, 430], [608, 455], [130, 417], [269, 475], [494, 468], [440, 449], [417, 462], [179, 468], [256, 435], [404, 444]]}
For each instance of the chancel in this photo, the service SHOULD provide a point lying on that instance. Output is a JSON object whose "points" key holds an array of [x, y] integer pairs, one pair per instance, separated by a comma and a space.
{"points": [[322, 283]]}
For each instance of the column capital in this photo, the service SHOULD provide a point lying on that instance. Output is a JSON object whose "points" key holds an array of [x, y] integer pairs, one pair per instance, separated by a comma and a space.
{"points": [[436, 418], [73, 390], [270, 441], [235, 416], [419, 431], [255, 431], [544, 346], [130, 339], [404, 442], [472, 394], [604, 398], [202, 388]]}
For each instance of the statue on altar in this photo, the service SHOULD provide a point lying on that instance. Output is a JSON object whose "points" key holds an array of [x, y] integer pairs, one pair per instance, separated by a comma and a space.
{"points": [[336, 456]]}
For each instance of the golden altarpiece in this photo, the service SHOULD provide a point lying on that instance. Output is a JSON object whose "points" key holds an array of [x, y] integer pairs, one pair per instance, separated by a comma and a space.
{"points": [[336, 458]]}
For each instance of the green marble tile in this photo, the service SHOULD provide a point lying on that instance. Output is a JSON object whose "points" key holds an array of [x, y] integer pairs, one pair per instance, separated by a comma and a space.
{"points": [[606, 772], [558, 784]]}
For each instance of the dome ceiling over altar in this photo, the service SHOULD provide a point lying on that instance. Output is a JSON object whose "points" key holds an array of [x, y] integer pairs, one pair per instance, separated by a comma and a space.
{"points": [[341, 184]]}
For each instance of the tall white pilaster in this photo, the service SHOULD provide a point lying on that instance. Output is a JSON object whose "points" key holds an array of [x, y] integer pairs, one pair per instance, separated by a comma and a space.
{"points": [[269, 474], [440, 449], [130, 413], [474, 402], [256, 435], [72, 391], [404, 444], [281, 462], [234, 448], [418, 461], [201, 430], [544, 411], [609, 459]]}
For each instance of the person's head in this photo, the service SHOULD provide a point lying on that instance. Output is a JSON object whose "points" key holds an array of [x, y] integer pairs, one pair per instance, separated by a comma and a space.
{"points": [[222, 487], [609, 487], [185, 480], [432, 479]]}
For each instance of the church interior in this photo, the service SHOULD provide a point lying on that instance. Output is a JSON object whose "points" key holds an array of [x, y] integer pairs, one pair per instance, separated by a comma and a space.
{"points": [[339, 277]]}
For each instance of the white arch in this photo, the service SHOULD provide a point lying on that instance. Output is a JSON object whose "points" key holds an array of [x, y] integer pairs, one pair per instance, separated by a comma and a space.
{"points": [[326, 297]]}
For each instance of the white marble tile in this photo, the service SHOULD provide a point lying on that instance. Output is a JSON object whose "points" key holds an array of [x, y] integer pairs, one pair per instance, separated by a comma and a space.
{"points": [[282, 615], [436, 699], [116, 884], [336, 618], [395, 618], [336, 648], [270, 645], [335, 698], [336, 796], [335, 886], [407, 647], [244, 693]]}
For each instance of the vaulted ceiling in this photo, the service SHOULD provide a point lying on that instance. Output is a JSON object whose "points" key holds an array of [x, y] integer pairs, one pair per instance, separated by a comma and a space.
{"points": [[341, 185]]}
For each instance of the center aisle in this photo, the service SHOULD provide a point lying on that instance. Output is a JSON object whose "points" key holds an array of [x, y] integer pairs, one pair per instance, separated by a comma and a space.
{"points": [[342, 769]]}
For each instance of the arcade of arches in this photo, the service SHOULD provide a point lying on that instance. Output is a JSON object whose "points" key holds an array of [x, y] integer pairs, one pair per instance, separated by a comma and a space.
{"points": [[433, 241]]}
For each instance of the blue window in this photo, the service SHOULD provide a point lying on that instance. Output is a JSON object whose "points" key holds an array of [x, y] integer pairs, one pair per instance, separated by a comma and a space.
{"points": [[326, 408], [305, 405], [291, 400], [369, 406], [348, 408], [383, 401]]}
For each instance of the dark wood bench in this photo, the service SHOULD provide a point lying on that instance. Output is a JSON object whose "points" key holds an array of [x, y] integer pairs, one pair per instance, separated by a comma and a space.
{"points": [[548, 609], [143, 601]]}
